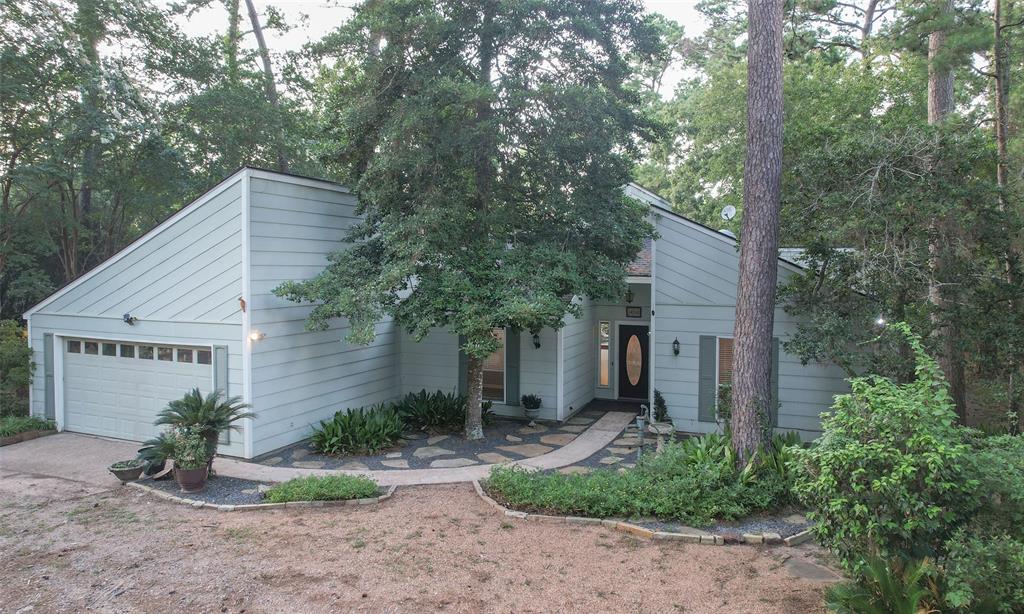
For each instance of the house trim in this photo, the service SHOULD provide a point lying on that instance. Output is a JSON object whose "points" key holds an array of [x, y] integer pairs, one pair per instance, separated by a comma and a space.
{"points": [[247, 398]]}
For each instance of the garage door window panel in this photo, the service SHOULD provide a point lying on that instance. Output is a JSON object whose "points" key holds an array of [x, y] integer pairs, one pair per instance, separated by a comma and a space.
{"points": [[165, 354], [74, 346], [110, 349], [146, 352], [204, 357], [91, 347], [184, 355], [127, 351]]}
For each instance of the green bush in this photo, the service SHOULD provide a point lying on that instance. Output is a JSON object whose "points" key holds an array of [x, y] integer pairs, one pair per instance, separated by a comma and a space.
{"points": [[15, 369], [12, 425], [209, 416], [885, 588], [358, 431], [325, 488], [996, 465], [888, 474], [436, 411], [694, 481], [985, 574], [190, 449]]}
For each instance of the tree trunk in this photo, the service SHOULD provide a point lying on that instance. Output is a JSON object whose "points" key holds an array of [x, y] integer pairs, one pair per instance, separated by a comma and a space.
{"points": [[90, 29], [759, 238], [231, 40], [940, 107], [268, 82], [475, 397]]}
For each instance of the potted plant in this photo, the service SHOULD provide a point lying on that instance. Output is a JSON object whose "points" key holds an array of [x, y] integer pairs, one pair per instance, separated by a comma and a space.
{"points": [[191, 458], [210, 416], [531, 406], [127, 470], [155, 452]]}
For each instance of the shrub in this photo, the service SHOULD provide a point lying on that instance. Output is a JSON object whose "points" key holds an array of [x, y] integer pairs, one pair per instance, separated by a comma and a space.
{"points": [[358, 431], [155, 452], [12, 425], [530, 401], [996, 465], [209, 416], [985, 574], [190, 449], [660, 407], [885, 588], [15, 369], [888, 474], [325, 488], [437, 411]]}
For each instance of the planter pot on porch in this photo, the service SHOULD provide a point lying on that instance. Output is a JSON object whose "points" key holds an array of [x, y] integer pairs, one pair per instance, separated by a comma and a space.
{"points": [[532, 414], [191, 480]]}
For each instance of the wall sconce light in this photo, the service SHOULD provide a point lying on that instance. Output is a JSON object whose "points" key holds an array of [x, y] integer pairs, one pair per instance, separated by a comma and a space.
{"points": [[256, 335], [629, 295], [880, 322], [675, 347], [129, 319], [536, 340]]}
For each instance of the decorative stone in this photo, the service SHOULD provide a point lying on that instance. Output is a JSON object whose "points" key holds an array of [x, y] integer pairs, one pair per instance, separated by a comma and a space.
{"points": [[262, 488], [579, 420], [299, 453], [413, 435], [452, 462], [732, 537], [436, 439], [308, 464], [753, 538], [631, 442], [536, 429], [354, 466], [431, 452], [400, 463], [574, 470], [795, 519], [610, 460], [772, 538], [629, 465], [529, 450], [513, 438], [620, 451], [558, 439], [573, 429], [276, 460], [810, 571], [661, 428], [248, 491], [393, 455], [799, 538], [493, 457]]}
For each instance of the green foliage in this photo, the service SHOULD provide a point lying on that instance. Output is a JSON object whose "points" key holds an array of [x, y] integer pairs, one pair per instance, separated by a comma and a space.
{"points": [[435, 411], [325, 488], [888, 473], [996, 466], [358, 431], [530, 401], [127, 464], [210, 416], [660, 407], [12, 425], [694, 482], [886, 588], [155, 451], [189, 448], [985, 573], [15, 369]]}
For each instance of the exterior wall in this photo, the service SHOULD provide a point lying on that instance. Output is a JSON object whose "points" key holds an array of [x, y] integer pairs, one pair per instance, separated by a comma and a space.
{"points": [[433, 364], [579, 343], [301, 377], [695, 291]]}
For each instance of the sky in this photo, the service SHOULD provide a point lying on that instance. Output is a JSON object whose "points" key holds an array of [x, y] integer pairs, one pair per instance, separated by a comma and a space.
{"points": [[322, 16]]}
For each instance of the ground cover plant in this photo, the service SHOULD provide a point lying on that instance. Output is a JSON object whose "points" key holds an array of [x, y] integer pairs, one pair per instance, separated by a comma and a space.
{"points": [[358, 431], [323, 488], [13, 425], [15, 369], [695, 481]]}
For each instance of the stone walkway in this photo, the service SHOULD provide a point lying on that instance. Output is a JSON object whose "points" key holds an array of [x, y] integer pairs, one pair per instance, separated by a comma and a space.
{"points": [[602, 432]]}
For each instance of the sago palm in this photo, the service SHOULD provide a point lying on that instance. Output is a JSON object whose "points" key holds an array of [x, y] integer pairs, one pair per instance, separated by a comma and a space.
{"points": [[211, 415]]}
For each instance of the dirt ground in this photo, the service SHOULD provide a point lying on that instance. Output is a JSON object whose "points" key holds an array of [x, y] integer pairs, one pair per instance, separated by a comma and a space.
{"points": [[72, 546]]}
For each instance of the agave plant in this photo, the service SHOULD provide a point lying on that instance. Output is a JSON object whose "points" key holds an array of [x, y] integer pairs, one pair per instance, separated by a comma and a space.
{"points": [[211, 415]]}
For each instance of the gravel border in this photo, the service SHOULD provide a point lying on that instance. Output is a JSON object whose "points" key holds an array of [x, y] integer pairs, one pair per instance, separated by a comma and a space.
{"points": [[252, 507], [770, 539]]}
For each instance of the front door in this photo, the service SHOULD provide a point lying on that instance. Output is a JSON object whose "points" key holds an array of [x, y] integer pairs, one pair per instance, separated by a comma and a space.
{"points": [[633, 370]]}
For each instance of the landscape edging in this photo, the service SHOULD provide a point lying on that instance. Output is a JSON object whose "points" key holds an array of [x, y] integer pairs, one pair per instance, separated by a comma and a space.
{"points": [[771, 539], [25, 436], [255, 507]]}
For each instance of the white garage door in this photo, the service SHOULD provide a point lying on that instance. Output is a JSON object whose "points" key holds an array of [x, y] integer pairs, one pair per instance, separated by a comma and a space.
{"points": [[116, 389]]}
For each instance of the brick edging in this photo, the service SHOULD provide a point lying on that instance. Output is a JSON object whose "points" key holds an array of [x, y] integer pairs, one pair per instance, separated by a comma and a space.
{"points": [[253, 507], [771, 539]]}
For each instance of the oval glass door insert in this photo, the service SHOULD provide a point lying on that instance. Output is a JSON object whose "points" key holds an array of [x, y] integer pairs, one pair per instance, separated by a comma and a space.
{"points": [[634, 360]]}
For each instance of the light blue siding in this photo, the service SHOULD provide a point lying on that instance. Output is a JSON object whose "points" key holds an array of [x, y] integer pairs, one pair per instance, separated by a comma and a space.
{"points": [[579, 338], [300, 377]]}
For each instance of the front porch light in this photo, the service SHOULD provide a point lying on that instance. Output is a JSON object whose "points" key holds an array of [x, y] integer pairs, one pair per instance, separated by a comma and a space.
{"points": [[536, 340], [629, 295], [675, 347]]}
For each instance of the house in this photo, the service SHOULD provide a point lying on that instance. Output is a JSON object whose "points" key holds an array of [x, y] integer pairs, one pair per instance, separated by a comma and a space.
{"points": [[190, 304]]}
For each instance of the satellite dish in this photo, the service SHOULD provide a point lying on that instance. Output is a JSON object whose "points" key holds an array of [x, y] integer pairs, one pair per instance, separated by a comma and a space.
{"points": [[728, 212]]}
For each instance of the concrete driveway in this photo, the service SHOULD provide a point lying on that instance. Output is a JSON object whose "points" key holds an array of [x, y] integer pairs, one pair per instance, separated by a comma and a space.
{"points": [[66, 456]]}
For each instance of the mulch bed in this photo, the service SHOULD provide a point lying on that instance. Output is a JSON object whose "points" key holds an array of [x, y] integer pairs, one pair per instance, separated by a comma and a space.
{"points": [[220, 490]]}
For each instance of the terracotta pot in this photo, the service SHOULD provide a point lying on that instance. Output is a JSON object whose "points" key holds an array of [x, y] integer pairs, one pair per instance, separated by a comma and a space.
{"points": [[191, 480]]}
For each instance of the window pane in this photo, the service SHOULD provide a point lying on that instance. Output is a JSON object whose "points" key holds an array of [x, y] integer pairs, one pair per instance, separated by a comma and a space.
{"points": [[110, 349], [127, 351], [164, 354], [494, 371], [146, 352], [204, 357], [91, 347], [184, 355], [724, 361], [74, 347], [604, 354]]}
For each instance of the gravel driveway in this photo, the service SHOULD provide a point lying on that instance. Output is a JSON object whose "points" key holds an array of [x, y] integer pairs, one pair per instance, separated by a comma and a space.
{"points": [[70, 546]]}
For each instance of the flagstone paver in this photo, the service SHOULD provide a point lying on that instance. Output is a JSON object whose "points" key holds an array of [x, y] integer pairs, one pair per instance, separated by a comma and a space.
{"points": [[513, 438], [574, 470], [582, 420], [493, 457], [452, 462], [306, 464], [300, 453], [393, 455], [627, 441], [528, 450], [436, 439], [533, 430], [610, 460], [275, 460], [431, 452], [579, 428], [354, 466], [399, 463], [558, 439], [620, 451]]}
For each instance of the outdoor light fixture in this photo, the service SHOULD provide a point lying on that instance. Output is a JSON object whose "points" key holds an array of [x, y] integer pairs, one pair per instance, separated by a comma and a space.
{"points": [[129, 319], [536, 340], [629, 295], [256, 335], [675, 347], [880, 322]]}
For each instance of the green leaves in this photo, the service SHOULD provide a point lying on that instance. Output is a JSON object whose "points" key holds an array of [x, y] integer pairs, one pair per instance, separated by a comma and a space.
{"points": [[358, 431]]}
